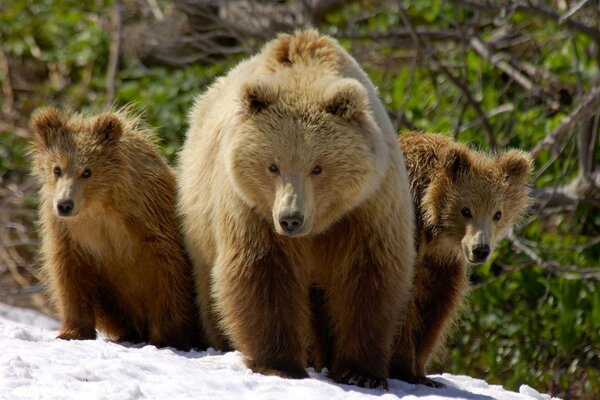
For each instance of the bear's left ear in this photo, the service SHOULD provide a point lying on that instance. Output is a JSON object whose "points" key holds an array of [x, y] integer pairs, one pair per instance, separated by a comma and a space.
{"points": [[256, 96], [347, 99], [47, 123], [457, 162], [108, 128], [516, 165]]}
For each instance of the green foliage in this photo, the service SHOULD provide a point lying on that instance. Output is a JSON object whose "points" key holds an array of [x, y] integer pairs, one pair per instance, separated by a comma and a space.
{"points": [[523, 324]]}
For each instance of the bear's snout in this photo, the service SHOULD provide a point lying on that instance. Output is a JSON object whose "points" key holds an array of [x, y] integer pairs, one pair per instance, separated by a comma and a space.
{"points": [[65, 208], [480, 253], [291, 223]]}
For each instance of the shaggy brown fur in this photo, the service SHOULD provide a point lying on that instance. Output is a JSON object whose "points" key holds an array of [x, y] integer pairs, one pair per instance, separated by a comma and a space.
{"points": [[293, 163], [112, 251], [465, 202]]}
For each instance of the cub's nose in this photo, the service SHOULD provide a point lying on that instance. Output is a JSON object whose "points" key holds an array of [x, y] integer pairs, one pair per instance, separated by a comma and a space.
{"points": [[481, 252], [291, 224], [65, 207]]}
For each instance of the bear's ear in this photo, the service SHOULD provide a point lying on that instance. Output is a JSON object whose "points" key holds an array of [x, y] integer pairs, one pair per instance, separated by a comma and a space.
{"points": [[346, 99], [516, 165], [257, 96], [108, 128], [457, 163], [47, 122]]}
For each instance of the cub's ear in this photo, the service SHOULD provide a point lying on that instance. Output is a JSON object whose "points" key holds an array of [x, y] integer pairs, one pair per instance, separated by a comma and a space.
{"points": [[457, 162], [47, 123], [256, 96], [108, 128], [516, 166], [347, 99]]}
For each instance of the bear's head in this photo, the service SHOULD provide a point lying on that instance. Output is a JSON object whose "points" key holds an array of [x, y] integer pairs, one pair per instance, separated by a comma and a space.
{"points": [[476, 198], [74, 158], [304, 151]]}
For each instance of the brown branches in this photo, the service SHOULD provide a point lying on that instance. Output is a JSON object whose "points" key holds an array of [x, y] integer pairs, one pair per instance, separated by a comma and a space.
{"points": [[564, 271], [588, 106], [500, 62], [7, 90], [457, 81], [530, 8], [205, 31], [113, 59]]}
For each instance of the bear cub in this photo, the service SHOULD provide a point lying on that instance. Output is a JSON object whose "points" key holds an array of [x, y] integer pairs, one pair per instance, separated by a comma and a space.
{"points": [[465, 202], [112, 252]]}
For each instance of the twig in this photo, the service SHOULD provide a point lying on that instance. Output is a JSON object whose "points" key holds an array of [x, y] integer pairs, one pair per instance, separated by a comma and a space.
{"points": [[7, 90], [572, 11], [482, 49], [454, 79], [156, 11], [113, 60], [586, 108], [564, 271], [529, 8]]}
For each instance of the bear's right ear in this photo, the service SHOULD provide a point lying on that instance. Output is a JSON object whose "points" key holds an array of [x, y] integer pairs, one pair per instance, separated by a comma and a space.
{"points": [[47, 122], [256, 96], [347, 99], [108, 128], [457, 163], [516, 166]]}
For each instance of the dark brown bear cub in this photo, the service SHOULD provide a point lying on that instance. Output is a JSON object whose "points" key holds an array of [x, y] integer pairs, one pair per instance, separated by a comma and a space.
{"points": [[112, 252], [465, 202]]}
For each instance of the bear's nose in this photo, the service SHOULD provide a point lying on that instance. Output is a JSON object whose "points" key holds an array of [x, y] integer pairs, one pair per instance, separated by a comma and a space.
{"points": [[481, 252], [65, 207], [291, 223]]}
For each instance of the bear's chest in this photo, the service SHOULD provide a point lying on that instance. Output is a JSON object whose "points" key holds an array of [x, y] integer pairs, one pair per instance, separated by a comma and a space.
{"points": [[105, 239]]}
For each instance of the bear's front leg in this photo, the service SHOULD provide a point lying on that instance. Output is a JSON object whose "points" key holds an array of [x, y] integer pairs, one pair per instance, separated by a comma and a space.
{"points": [[73, 289], [366, 293], [262, 302]]}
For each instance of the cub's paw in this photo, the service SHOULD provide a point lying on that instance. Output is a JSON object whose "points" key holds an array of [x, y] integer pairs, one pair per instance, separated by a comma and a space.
{"points": [[350, 377], [77, 334]]}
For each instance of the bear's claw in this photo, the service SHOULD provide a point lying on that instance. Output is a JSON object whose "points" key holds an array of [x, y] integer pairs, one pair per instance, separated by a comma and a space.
{"points": [[349, 377]]}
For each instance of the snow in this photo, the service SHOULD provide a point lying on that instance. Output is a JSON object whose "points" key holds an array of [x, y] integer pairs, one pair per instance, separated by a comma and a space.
{"points": [[35, 365]]}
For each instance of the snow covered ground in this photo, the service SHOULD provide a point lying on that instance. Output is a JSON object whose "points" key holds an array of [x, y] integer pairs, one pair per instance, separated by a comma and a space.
{"points": [[34, 365]]}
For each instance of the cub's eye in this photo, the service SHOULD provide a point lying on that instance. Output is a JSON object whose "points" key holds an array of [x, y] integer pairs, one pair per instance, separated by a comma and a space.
{"points": [[497, 216], [316, 170], [466, 212], [86, 173], [57, 171], [273, 169]]}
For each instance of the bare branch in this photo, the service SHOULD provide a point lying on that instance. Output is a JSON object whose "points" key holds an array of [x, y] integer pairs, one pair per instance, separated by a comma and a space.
{"points": [[454, 79], [564, 271], [586, 108], [7, 90], [572, 11], [115, 51], [498, 61], [527, 7]]}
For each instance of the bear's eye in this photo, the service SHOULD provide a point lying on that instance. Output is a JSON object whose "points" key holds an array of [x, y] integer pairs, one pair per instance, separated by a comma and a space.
{"points": [[497, 216], [57, 172], [86, 173], [466, 212], [273, 169], [317, 170]]}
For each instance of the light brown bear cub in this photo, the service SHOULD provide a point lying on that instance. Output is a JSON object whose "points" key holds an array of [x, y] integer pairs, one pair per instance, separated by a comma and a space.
{"points": [[111, 247], [292, 162], [465, 202]]}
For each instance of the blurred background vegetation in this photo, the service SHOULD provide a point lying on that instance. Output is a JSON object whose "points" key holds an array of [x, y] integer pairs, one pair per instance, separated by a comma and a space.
{"points": [[491, 73]]}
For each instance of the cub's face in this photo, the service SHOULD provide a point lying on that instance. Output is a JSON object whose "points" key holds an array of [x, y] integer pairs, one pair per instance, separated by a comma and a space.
{"points": [[480, 198], [73, 159], [304, 158]]}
